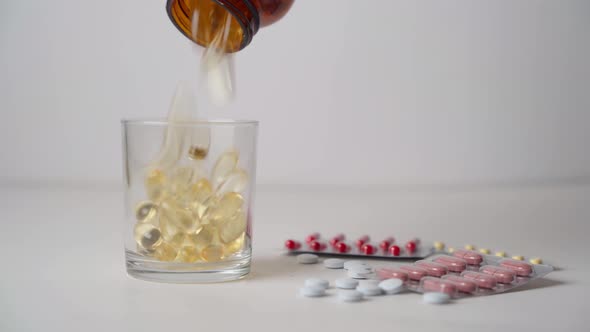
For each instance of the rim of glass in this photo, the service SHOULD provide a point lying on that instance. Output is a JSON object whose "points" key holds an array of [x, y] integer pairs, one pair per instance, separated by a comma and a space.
{"points": [[197, 122]]}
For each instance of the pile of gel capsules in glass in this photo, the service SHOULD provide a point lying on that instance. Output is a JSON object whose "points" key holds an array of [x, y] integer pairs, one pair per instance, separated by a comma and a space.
{"points": [[450, 274], [191, 215]]}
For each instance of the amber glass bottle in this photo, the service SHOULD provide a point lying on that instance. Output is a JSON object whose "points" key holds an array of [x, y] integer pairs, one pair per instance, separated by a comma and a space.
{"points": [[246, 17]]}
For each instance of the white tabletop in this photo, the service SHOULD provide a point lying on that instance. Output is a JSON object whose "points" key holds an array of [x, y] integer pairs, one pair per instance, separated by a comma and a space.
{"points": [[63, 264]]}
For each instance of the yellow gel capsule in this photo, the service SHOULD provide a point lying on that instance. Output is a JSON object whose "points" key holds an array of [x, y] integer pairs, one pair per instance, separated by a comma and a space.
{"points": [[212, 253], [233, 228], [235, 182], [201, 191], [438, 245], [536, 260], [518, 258], [204, 237], [225, 164], [235, 246], [165, 252], [181, 180], [171, 232], [155, 185], [181, 218], [197, 152], [484, 251], [451, 250], [146, 211], [501, 254], [469, 247], [226, 208], [187, 254], [147, 235]]}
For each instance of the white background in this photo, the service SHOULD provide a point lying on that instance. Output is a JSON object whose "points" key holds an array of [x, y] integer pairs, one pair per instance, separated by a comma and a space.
{"points": [[347, 92]]}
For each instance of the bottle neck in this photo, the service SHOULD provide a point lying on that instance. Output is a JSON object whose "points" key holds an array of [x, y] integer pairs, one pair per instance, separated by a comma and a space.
{"points": [[211, 16]]}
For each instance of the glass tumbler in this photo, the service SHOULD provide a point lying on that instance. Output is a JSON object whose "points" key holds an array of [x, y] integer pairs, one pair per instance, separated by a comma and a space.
{"points": [[189, 194]]}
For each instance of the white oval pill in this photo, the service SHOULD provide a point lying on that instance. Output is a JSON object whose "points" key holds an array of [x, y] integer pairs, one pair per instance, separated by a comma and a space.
{"points": [[316, 282], [369, 290], [349, 264], [391, 286], [307, 259], [346, 283], [436, 298], [312, 291], [334, 263], [350, 296]]}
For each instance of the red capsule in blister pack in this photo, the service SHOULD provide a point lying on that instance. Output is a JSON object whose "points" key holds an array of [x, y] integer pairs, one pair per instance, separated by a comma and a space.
{"points": [[481, 279], [317, 246], [471, 257], [411, 246], [384, 245], [453, 264], [336, 239], [312, 237], [395, 250], [463, 285], [414, 272], [342, 247], [433, 269], [292, 245], [368, 249], [522, 269], [389, 273], [431, 284], [501, 274], [362, 240]]}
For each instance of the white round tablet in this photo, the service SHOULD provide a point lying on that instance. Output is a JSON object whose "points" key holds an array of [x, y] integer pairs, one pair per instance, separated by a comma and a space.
{"points": [[391, 286], [316, 282], [334, 263], [369, 290], [349, 264], [307, 259], [350, 296], [359, 274], [436, 298], [346, 283], [312, 291]]}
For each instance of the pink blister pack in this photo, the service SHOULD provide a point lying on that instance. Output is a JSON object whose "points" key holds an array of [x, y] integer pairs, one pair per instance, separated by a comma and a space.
{"points": [[465, 273], [338, 246]]}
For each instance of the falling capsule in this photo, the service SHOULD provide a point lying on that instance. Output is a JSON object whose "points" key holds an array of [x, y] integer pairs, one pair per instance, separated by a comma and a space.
{"points": [[147, 235], [212, 253], [235, 182], [224, 166], [187, 254], [155, 185], [233, 228], [146, 212]]}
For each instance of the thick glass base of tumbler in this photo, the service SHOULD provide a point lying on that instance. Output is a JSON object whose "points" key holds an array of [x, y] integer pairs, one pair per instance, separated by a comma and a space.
{"points": [[143, 268]]}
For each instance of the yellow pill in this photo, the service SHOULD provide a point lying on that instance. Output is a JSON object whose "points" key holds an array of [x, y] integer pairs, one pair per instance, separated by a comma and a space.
{"points": [[197, 152], [439, 246], [236, 182], [235, 246], [171, 232], [501, 254], [485, 251], [174, 215], [204, 237], [226, 208], [469, 247], [536, 260], [155, 185], [232, 228], [212, 253], [187, 254], [165, 252], [146, 211], [451, 250], [147, 235], [225, 164], [181, 180], [518, 258], [201, 191]]}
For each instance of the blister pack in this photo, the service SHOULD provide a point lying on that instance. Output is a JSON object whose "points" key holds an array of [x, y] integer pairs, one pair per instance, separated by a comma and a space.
{"points": [[337, 246], [465, 273]]}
